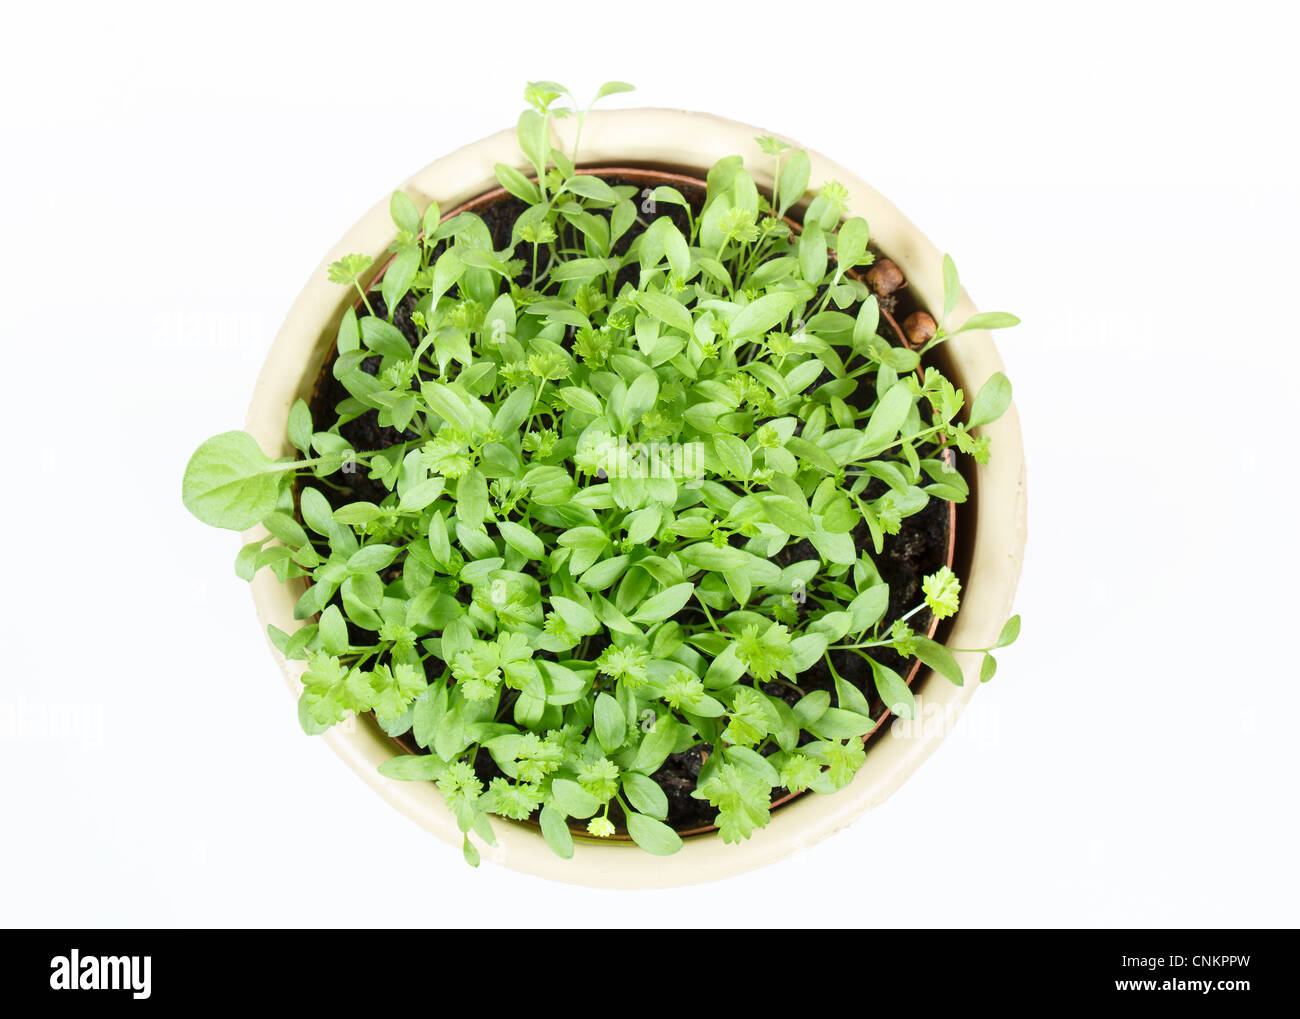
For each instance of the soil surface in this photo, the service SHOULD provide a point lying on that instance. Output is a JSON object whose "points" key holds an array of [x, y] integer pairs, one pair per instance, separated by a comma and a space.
{"points": [[919, 548]]}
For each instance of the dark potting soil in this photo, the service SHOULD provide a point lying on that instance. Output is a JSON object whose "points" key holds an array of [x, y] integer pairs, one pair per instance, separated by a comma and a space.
{"points": [[919, 548]]}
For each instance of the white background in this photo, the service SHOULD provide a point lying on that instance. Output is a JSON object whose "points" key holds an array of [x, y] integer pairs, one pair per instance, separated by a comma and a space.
{"points": [[1122, 177]]}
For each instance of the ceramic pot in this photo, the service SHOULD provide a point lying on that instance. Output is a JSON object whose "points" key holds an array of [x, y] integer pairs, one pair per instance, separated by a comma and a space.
{"points": [[992, 522]]}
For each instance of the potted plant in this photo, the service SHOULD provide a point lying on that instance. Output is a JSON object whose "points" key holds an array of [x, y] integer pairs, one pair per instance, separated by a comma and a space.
{"points": [[620, 503]]}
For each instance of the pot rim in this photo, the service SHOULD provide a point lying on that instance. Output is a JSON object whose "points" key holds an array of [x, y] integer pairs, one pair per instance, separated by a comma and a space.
{"points": [[673, 139]]}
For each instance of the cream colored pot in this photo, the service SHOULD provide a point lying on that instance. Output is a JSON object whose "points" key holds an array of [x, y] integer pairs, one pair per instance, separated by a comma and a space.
{"points": [[993, 523]]}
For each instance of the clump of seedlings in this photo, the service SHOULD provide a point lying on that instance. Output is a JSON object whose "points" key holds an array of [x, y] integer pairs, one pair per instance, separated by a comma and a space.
{"points": [[632, 458]]}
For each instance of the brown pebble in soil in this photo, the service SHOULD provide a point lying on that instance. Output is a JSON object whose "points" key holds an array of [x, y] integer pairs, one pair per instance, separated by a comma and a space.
{"points": [[919, 327], [885, 277]]}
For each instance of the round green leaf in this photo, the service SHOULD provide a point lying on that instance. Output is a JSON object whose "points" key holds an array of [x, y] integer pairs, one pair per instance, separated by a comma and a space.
{"points": [[653, 836], [413, 767], [556, 832], [992, 400], [889, 415], [893, 691], [229, 482], [571, 798], [668, 310], [785, 513], [611, 723], [521, 539], [988, 667], [645, 794], [938, 658], [665, 604], [989, 320], [766, 313], [404, 213]]}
